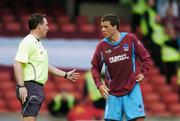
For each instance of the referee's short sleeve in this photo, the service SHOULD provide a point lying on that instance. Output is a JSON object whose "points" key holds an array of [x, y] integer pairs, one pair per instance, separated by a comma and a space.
{"points": [[24, 50]]}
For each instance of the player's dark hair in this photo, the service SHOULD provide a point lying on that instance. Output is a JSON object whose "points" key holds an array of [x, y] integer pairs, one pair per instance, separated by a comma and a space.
{"points": [[112, 18], [35, 19]]}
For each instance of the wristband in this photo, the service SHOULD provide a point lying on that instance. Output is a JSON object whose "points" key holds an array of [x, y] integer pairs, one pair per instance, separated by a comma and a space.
{"points": [[21, 86], [65, 76]]}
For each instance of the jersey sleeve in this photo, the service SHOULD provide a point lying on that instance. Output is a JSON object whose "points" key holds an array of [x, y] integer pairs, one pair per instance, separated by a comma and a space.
{"points": [[143, 55], [97, 63], [24, 50]]}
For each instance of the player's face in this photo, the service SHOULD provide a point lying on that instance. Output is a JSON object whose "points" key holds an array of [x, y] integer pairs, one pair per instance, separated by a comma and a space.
{"points": [[44, 27], [107, 29]]}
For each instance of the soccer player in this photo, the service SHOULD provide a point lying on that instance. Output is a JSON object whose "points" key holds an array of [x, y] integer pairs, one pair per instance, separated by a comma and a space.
{"points": [[119, 52], [31, 68]]}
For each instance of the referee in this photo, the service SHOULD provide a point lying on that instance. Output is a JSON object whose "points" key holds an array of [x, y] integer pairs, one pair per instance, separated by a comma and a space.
{"points": [[31, 68]]}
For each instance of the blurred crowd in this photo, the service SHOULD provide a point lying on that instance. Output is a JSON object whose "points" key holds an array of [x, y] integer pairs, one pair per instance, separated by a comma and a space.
{"points": [[158, 23], [91, 107]]}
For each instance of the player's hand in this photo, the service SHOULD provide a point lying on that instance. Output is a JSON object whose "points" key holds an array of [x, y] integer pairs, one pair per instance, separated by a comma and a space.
{"points": [[23, 94], [104, 91], [72, 75], [140, 78]]}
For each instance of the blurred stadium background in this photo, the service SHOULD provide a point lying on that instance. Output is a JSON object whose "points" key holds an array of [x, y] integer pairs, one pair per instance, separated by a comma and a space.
{"points": [[74, 33]]}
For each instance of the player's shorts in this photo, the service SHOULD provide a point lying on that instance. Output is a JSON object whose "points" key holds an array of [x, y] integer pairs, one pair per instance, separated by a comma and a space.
{"points": [[33, 106], [130, 104]]}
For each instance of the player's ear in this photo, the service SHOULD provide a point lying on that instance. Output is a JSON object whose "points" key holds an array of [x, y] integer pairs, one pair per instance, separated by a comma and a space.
{"points": [[115, 26]]}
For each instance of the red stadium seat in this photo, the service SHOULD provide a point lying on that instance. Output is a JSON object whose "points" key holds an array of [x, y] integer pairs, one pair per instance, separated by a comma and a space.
{"points": [[125, 28], [163, 114], [14, 105], [175, 108], [82, 20], [158, 80], [164, 89], [60, 80], [7, 86], [81, 112], [43, 108], [97, 21], [151, 98], [13, 26], [154, 71], [2, 105], [66, 87], [25, 27], [24, 18], [147, 88], [174, 83], [8, 18], [157, 108], [78, 95], [10, 95], [50, 86], [170, 98], [67, 27], [87, 28], [5, 75], [52, 27], [49, 95], [63, 19]]}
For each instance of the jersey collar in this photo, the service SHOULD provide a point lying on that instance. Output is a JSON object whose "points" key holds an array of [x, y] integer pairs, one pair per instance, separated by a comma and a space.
{"points": [[122, 35]]}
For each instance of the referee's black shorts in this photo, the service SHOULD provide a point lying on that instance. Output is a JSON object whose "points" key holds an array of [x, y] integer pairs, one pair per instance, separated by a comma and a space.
{"points": [[33, 107]]}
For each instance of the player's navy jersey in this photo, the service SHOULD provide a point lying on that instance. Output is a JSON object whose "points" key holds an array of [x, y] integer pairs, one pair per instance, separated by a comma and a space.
{"points": [[121, 66]]}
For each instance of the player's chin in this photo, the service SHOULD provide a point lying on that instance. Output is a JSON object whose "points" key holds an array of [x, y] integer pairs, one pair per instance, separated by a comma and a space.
{"points": [[105, 35], [139, 81]]}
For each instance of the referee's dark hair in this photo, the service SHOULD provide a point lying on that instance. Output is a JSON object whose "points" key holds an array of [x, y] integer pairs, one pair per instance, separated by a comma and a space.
{"points": [[112, 18], [35, 19]]}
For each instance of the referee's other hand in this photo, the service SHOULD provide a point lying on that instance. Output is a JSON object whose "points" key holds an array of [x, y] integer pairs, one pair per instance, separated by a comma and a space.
{"points": [[23, 94]]}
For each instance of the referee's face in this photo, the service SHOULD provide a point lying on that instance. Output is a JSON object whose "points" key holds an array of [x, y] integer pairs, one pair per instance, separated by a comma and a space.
{"points": [[44, 28]]}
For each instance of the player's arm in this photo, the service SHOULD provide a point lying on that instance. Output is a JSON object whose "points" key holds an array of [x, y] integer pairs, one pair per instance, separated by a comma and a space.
{"points": [[144, 56], [19, 78], [97, 63], [71, 75]]}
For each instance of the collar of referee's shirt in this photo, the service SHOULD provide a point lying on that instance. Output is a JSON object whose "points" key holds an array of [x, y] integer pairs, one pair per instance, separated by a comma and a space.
{"points": [[37, 39]]}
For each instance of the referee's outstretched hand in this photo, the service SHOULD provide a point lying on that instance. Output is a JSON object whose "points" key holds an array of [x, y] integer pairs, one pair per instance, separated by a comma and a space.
{"points": [[72, 75]]}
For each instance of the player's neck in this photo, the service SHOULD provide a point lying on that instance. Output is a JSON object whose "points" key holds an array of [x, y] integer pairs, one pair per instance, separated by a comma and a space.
{"points": [[115, 37]]}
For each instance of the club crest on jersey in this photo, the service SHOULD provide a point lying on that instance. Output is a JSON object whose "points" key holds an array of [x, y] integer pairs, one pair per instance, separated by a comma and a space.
{"points": [[125, 47], [108, 51]]}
